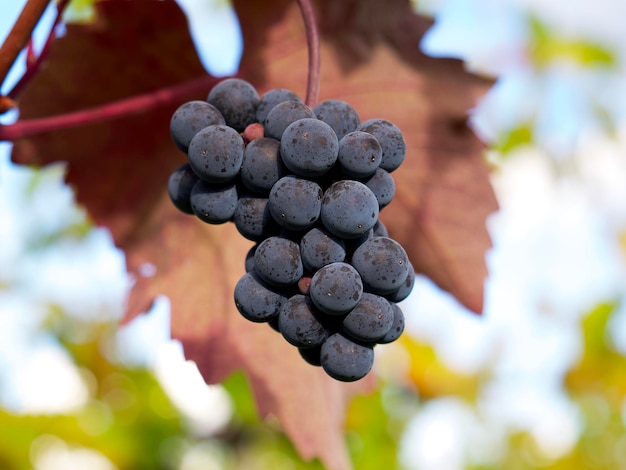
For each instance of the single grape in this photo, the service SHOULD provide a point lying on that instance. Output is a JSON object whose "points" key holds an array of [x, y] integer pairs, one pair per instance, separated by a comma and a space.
{"points": [[179, 187], [383, 186], [336, 288], [283, 114], [262, 165], [370, 319], [213, 204], [253, 220], [380, 230], [249, 264], [255, 300], [237, 100], [349, 209], [216, 153], [295, 203], [271, 99], [308, 147], [382, 263], [390, 139], [190, 118], [344, 359], [405, 288], [359, 155], [319, 247], [311, 355], [298, 323], [277, 261], [339, 115], [396, 328]]}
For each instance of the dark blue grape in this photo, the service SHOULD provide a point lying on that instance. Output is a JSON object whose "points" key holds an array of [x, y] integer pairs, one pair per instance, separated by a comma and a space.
{"points": [[295, 203], [360, 154], [396, 328], [336, 288], [298, 323], [262, 165], [253, 220], [277, 261], [179, 187], [237, 100], [308, 147], [370, 319], [405, 288], [349, 209], [390, 139], [255, 300], [382, 263], [344, 359], [339, 115], [216, 153], [271, 99], [380, 230], [190, 118], [283, 114], [250, 258], [213, 204], [319, 247], [311, 355], [383, 186]]}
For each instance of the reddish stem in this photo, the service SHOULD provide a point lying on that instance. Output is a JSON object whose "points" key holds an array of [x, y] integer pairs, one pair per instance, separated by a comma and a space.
{"points": [[33, 66], [125, 107], [20, 34], [313, 44]]}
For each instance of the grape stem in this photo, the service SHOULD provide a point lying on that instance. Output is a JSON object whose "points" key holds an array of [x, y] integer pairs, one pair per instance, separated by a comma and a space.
{"points": [[122, 108], [33, 63], [313, 45], [20, 34]]}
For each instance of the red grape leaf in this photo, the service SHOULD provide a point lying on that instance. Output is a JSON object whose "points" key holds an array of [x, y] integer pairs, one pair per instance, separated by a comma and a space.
{"points": [[120, 169], [370, 58]]}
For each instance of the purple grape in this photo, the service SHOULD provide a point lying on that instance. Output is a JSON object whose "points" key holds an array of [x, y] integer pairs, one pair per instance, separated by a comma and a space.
{"points": [[360, 154], [283, 114], [344, 359], [237, 100], [295, 203], [339, 115], [396, 328], [255, 300], [390, 139], [216, 153], [262, 165], [271, 99], [319, 247], [253, 220], [190, 118], [308, 147], [382, 263], [179, 186], [349, 209], [336, 288], [383, 186], [370, 320], [213, 204], [277, 261], [298, 323]]}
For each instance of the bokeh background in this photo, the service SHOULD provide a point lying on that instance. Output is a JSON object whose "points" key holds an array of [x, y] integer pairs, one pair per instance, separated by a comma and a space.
{"points": [[537, 381]]}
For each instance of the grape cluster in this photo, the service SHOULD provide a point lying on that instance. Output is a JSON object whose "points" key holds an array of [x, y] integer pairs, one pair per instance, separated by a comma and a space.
{"points": [[307, 186]]}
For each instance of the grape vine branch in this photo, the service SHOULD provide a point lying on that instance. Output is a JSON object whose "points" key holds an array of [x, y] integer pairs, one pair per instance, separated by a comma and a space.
{"points": [[21, 34]]}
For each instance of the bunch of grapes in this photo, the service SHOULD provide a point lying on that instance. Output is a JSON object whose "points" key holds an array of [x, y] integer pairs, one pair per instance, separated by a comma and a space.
{"points": [[307, 186]]}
